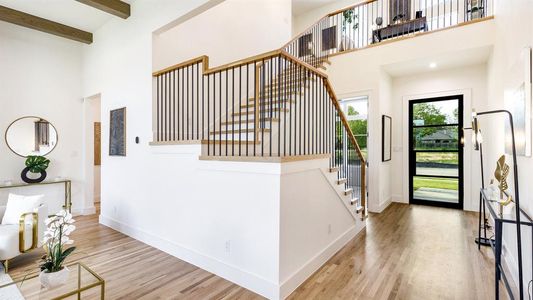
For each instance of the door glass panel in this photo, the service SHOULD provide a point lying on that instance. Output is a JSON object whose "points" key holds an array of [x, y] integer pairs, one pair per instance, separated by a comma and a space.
{"points": [[436, 138], [436, 189], [435, 113], [437, 163]]}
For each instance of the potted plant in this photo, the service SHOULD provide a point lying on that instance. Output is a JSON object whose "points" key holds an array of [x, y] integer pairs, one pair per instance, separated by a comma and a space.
{"points": [[349, 17], [55, 241], [37, 165]]}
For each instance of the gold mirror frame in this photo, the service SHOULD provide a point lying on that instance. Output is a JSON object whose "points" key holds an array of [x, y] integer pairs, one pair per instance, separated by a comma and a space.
{"points": [[25, 117]]}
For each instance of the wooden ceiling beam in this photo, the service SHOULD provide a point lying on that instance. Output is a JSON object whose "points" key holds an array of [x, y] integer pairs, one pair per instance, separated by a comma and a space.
{"points": [[114, 7], [30, 21]]}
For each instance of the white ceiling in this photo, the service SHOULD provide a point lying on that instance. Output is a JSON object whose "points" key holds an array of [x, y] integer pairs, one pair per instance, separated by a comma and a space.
{"points": [[302, 6], [449, 60], [67, 12]]}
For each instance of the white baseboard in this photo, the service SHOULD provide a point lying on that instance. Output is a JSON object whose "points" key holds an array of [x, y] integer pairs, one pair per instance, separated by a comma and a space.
{"points": [[385, 204], [397, 198], [238, 276], [84, 211], [316, 262]]}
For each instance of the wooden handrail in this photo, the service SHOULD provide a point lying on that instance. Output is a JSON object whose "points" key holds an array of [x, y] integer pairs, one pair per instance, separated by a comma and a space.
{"points": [[204, 59]]}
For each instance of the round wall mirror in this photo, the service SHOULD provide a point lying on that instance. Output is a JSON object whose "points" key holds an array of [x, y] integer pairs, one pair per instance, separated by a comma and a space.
{"points": [[31, 136]]}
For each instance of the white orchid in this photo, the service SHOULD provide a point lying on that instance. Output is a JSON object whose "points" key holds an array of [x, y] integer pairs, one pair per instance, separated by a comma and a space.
{"points": [[59, 227]]}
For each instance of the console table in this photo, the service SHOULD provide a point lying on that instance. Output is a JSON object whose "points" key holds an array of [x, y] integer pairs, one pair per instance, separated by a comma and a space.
{"points": [[399, 29], [66, 182], [496, 242]]}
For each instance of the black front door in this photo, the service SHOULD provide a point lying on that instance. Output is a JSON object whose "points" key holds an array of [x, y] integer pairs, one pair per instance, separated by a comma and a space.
{"points": [[435, 151]]}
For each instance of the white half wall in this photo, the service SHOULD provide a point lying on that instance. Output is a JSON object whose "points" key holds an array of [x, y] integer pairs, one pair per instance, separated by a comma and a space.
{"points": [[220, 216], [315, 223]]}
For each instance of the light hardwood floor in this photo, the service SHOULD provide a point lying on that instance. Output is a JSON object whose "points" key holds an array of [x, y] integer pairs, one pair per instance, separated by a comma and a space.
{"points": [[407, 252]]}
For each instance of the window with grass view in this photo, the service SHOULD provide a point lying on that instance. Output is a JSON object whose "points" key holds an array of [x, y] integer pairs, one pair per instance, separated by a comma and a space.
{"points": [[435, 154], [356, 112]]}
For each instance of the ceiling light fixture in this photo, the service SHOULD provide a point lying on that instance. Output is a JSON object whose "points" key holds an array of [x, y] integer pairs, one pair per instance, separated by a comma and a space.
{"points": [[433, 65]]}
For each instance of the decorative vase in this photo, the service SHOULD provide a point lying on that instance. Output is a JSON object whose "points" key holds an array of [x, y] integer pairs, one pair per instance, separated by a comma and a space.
{"points": [[55, 279], [25, 178]]}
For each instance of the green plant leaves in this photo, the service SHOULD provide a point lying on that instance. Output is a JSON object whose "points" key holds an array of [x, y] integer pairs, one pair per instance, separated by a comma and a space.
{"points": [[37, 164]]}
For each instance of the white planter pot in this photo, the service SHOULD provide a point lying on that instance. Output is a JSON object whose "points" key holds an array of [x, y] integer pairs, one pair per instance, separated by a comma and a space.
{"points": [[52, 280]]}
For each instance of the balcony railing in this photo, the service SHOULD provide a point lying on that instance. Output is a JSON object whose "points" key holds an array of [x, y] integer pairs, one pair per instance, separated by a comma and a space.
{"points": [[372, 22]]}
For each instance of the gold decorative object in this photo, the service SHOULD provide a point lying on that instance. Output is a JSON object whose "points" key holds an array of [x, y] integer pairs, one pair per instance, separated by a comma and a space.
{"points": [[501, 173]]}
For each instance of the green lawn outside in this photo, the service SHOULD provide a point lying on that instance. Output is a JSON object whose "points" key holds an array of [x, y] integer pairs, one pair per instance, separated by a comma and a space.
{"points": [[436, 183], [438, 157]]}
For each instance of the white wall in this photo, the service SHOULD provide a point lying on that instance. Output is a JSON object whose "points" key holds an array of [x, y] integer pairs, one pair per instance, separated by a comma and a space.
{"points": [[471, 81], [302, 21], [514, 31], [230, 31], [40, 75]]}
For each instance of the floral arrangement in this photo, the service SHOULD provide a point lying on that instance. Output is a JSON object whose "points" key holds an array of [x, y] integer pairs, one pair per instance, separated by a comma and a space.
{"points": [[55, 240]]}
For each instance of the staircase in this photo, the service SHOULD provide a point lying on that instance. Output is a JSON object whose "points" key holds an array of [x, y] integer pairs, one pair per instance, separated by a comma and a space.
{"points": [[278, 98], [274, 107]]}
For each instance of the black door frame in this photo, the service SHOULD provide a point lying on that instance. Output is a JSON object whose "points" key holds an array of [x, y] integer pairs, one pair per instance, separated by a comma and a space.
{"points": [[460, 152]]}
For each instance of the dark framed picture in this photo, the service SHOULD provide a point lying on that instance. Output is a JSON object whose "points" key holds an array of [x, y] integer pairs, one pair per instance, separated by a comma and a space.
{"points": [[386, 137], [117, 132]]}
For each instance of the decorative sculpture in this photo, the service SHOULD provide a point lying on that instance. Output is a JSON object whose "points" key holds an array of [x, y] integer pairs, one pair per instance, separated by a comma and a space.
{"points": [[501, 173]]}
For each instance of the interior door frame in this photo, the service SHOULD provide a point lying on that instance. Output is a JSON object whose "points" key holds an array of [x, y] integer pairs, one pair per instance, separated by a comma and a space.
{"points": [[460, 152]]}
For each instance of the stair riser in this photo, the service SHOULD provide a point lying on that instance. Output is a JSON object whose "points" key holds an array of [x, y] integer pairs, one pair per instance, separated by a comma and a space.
{"points": [[266, 113], [245, 125], [232, 137]]}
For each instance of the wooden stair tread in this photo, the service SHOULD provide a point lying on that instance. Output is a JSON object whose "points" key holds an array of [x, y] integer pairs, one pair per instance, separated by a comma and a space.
{"points": [[342, 181], [251, 112], [348, 191], [266, 103], [235, 131], [210, 142], [334, 169], [250, 121]]}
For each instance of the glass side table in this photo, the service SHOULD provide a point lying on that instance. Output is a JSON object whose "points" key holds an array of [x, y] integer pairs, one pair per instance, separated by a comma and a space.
{"points": [[83, 283]]}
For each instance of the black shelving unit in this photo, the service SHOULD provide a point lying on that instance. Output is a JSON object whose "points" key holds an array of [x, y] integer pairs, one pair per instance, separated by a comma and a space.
{"points": [[496, 242]]}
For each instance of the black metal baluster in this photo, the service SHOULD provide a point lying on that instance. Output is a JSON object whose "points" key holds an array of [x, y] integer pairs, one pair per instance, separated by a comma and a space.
{"points": [[280, 107], [157, 103], [240, 108], [247, 106], [207, 126], [233, 109]]}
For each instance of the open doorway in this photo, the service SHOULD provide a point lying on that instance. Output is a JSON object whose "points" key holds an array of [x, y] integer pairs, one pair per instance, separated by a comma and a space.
{"points": [[435, 151], [93, 150]]}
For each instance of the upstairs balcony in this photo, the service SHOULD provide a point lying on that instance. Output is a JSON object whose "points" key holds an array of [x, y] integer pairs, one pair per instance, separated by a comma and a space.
{"points": [[376, 22]]}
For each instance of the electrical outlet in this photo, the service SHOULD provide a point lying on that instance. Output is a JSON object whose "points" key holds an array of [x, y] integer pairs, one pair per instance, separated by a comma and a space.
{"points": [[228, 246], [329, 228]]}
